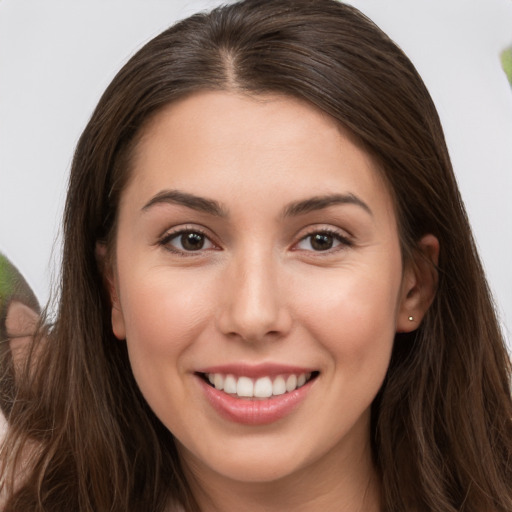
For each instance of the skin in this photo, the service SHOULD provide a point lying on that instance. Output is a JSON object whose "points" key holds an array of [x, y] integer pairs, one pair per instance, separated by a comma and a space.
{"points": [[20, 324], [258, 291]]}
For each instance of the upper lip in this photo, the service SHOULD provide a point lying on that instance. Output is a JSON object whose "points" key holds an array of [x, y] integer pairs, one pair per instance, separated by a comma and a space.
{"points": [[256, 371]]}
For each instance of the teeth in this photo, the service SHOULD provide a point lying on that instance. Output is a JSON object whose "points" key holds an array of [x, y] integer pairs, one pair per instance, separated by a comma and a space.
{"points": [[279, 386], [218, 381], [291, 383], [263, 387], [245, 387], [230, 384]]}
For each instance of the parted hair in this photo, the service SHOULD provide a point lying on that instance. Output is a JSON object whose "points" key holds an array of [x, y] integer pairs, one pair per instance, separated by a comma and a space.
{"points": [[441, 423]]}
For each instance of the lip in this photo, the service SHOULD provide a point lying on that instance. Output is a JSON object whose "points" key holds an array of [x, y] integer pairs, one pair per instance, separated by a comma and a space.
{"points": [[254, 411], [256, 371]]}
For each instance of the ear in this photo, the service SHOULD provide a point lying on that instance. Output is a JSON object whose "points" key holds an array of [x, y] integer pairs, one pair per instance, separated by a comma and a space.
{"points": [[419, 284], [110, 282]]}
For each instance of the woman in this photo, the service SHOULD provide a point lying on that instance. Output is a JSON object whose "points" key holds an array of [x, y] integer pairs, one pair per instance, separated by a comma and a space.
{"points": [[270, 295]]}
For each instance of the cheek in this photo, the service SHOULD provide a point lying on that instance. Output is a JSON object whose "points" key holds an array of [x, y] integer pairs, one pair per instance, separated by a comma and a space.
{"points": [[164, 313], [354, 319]]}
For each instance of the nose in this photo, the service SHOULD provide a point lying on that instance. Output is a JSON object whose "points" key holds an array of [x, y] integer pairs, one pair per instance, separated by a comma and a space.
{"points": [[253, 306]]}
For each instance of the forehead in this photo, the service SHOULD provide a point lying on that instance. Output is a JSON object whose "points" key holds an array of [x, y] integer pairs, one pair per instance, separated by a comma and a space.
{"points": [[228, 145]]}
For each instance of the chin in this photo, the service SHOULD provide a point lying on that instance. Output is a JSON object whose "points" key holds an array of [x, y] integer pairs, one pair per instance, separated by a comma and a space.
{"points": [[256, 470]]}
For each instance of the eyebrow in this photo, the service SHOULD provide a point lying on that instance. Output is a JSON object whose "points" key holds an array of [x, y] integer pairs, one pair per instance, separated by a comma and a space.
{"points": [[213, 207], [192, 201], [321, 202]]}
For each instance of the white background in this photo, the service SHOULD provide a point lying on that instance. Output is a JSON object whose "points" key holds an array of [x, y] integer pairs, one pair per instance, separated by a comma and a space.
{"points": [[56, 58]]}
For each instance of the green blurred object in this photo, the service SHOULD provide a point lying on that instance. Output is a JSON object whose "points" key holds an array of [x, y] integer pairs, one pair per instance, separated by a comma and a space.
{"points": [[506, 62], [8, 278], [14, 287]]}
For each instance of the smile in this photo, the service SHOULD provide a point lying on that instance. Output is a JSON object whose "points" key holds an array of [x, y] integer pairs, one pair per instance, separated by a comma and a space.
{"points": [[255, 396], [262, 387]]}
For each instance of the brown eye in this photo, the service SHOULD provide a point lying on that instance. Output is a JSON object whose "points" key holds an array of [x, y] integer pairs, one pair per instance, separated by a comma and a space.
{"points": [[187, 241], [192, 241], [322, 241]]}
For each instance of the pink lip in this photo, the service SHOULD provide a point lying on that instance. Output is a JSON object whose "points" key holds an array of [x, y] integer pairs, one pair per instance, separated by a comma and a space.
{"points": [[254, 411], [255, 371]]}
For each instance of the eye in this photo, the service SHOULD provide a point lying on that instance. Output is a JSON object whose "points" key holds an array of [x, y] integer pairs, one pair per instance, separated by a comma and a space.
{"points": [[187, 241], [322, 241]]}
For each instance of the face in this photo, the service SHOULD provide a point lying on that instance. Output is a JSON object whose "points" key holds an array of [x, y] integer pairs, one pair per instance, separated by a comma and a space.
{"points": [[258, 283]]}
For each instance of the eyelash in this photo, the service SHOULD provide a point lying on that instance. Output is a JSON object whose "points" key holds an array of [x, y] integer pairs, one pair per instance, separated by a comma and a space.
{"points": [[168, 237], [165, 240], [344, 241]]}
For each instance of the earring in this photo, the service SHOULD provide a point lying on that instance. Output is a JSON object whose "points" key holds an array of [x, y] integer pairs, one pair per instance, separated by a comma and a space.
{"points": [[411, 319]]}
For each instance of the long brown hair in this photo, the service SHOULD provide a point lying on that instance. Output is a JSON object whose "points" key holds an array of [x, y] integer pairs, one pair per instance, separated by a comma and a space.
{"points": [[441, 424]]}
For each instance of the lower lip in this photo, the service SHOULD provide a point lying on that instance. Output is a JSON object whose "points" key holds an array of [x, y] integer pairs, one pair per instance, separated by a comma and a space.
{"points": [[254, 411]]}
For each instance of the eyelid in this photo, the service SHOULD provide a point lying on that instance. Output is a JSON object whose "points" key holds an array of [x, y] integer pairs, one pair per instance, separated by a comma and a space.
{"points": [[345, 239], [176, 231]]}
